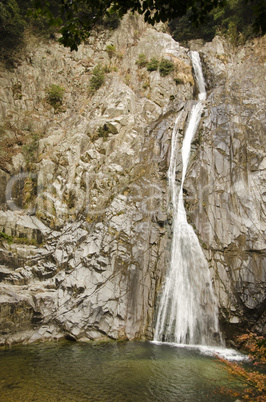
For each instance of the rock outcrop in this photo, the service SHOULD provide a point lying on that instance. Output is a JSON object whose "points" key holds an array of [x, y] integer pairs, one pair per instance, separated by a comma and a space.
{"points": [[85, 221], [227, 179]]}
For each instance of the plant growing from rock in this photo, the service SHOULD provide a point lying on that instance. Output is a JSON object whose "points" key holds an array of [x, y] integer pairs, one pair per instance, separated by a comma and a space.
{"points": [[106, 68], [17, 91], [253, 381], [30, 150], [111, 50], [232, 33], [127, 79], [142, 60], [6, 237], [55, 95], [178, 81], [97, 79], [146, 84], [166, 67], [71, 199], [103, 132], [18, 240], [153, 64], [29, 192]]}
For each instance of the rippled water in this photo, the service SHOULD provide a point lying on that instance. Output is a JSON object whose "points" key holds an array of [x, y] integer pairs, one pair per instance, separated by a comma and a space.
{"points": [[113, 371]]}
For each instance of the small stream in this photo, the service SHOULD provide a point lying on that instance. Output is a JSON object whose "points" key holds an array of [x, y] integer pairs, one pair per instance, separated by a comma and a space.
{"points": [[110, 371]]}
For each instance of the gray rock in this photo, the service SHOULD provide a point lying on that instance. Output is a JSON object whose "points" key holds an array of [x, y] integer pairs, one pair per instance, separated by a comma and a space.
{"points": [[103, 219]]}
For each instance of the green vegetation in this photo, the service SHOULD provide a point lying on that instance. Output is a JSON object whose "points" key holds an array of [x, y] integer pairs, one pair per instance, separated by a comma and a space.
{"points": [[189, 19], [111, 50], [146, 84], [17, 91], [142, 60], [47, 17], [14, 18], [30, 150], [78, 18], [12, 23], [6, 237], [55, 95], [18, 240], [29, 192], [97, 79], [103, 132], [237, 20], [166, 67], [71, 199], [153, 64], [178, 81]]}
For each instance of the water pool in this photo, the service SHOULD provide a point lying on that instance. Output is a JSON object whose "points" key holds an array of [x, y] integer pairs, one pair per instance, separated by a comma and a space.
{"points": [[110, 371]]}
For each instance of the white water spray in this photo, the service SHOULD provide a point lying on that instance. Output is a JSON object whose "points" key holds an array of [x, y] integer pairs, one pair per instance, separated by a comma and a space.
{"points": [[188, 312]]}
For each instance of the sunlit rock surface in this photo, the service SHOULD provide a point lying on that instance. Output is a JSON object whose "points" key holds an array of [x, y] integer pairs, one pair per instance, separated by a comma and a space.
{"points": [[88, 236], [227, 181]]}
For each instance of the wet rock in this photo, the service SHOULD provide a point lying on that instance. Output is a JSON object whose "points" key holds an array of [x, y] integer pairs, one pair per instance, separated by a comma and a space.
{"points": [[227, 176]]}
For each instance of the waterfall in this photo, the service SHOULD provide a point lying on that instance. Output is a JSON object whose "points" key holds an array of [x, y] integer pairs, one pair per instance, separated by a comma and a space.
{"points": [[188, 312]]}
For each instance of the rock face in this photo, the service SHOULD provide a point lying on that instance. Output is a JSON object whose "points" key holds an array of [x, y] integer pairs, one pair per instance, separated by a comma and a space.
{"points": [[227, 179], [85, 221]]}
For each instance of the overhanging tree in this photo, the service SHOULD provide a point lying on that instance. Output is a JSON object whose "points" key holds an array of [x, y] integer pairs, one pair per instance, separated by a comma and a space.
{"points": [[76, 18]]}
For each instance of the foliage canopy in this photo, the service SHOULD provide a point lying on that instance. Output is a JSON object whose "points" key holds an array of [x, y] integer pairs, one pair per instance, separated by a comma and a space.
{"points": [[78, 17], [238, 20], [11, 23]]}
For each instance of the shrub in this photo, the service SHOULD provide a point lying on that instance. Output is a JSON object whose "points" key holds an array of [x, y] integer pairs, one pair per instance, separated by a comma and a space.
{"points": [[127, 79], [111, 50], [232, 33], [19, 240], [153, 64], [97, 79], [103, 132], [106, 68], [236, 17], [25, 240], [17, 90], [6, 237], [12, 25], [71, 199], [146, 84], [110, 21], [55, 96], [29, 192], [165, 67], [178, 81], [142, 60], [30, 150], [253, 381]]}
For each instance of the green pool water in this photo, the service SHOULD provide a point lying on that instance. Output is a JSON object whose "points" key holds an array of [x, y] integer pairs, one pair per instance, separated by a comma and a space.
{"points": [[113, 371]]}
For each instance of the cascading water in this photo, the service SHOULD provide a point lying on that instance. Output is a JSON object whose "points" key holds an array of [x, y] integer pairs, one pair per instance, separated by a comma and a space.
{"points": [[188, 312]]}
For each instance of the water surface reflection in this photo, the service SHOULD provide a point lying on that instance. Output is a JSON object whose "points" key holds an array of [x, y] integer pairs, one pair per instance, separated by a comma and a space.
{"points": [[113, 371]]}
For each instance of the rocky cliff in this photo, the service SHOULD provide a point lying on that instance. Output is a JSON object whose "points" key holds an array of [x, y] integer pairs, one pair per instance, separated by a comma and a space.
{"points": [[228, 177], [85, 218]]}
